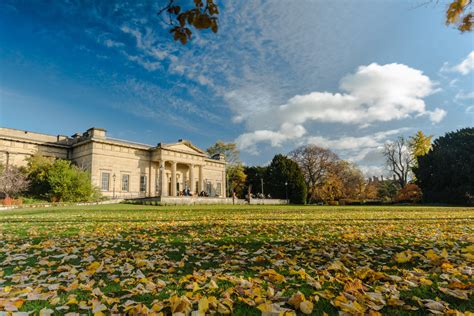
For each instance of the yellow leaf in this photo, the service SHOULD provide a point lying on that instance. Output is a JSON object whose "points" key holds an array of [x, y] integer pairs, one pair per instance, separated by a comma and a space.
{"points": [[213, 285], [403, 257], [296, 299], [203, 305], [306, 307], [444, 253], [72, 300], [431, 254]]}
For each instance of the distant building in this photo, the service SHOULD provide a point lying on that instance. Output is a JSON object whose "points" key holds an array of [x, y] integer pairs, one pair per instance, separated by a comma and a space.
{"points": [[121, 168]]}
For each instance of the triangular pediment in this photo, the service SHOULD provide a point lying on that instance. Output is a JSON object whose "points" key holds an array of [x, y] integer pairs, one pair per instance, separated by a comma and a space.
{"points": [[185, 146]]}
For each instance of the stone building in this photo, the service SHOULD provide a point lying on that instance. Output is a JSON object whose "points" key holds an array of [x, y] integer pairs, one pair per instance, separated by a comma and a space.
{"points": [[123, 169]]}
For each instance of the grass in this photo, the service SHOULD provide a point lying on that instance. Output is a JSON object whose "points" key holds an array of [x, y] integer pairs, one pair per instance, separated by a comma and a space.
{"points": [[149, 259]]}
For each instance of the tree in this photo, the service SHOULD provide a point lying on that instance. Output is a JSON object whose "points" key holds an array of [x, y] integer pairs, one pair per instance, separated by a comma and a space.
{"points": [[419, 144], [255, 175], [315, 162], [237, 177], [332, 189], [202, 16], [399, 159], [234, 169], [12, 182], [446, 173], [38, 169], [459, 14], [284, 170], [229, 150], [351, 178], [387, 190], [59, 180]]}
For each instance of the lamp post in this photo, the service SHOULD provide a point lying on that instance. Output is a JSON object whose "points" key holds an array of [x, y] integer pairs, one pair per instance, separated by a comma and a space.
{"points": [[113, 177], [261, 183], [286, 190]]}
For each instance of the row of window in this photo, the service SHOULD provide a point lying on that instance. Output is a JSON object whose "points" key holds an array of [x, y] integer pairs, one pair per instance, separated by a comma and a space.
{"points": [[105, 182]]}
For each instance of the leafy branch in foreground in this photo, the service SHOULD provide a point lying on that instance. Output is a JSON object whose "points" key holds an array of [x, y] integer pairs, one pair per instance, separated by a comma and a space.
{"points": [[203, 16], [459, 13]]}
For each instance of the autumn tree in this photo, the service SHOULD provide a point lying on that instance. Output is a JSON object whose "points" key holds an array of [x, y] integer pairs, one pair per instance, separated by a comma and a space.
{"points": [[351, 177], [399, 159], [12, 182], [419, 144], [315, 163]]}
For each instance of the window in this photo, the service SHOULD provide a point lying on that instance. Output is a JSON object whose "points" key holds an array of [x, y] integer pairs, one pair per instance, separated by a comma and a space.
{"points": [[218, 189], [142, 183], [105, 183], [125, 182], [209, 188]]}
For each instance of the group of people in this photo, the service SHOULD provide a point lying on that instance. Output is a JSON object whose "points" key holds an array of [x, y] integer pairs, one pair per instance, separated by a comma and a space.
{"points": [[187, 192], [258, 196]]}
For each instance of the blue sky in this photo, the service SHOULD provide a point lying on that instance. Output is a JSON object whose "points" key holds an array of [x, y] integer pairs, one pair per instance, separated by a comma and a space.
{"points": [[348, 75]]}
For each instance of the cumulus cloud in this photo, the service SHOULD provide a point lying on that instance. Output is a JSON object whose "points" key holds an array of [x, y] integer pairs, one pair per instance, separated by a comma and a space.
{"points": [[374, 93], [248, 141]]}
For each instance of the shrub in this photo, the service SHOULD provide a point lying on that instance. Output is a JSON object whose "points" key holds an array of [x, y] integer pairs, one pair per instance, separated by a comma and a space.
{"points": [[411, 193], [60, 181], [12, 182]]}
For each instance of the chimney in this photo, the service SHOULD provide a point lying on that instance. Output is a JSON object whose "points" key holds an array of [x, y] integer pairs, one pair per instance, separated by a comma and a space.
{"points": [[95, 132], [61, 138]]}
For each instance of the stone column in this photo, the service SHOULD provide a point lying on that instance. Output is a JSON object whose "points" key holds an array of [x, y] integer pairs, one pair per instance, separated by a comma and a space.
{"points": [[224, 184], [151, 179], [200, 179], [191, 178], [163, 180], [173, 178]]}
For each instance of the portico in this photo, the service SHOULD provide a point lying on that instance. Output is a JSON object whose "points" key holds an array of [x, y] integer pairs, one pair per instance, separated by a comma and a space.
{"points": [[187, 170]]}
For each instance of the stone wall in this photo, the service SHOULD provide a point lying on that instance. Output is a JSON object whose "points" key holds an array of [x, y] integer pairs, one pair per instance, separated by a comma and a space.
{"points": [[194, 200]]}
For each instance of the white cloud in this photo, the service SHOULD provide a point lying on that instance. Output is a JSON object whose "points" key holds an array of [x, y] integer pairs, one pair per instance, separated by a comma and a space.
{"points": [[248, 141], [437, 115], [464, 96], [374, 93], [466, 66], [111, 43], [354, 143]]}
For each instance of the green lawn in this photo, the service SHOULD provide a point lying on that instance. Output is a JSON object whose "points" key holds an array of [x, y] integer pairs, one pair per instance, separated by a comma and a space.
{"points": [[244, 260]]}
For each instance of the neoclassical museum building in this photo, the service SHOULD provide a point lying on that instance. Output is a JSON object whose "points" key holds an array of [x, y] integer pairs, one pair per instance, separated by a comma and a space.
{"points": [[123, 169]]}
